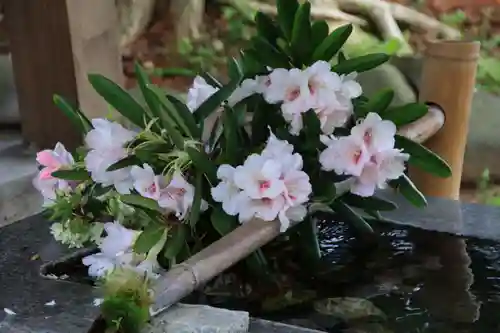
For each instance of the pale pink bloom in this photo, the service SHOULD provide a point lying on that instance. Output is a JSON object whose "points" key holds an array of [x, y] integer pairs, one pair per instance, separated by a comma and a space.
{"points": [[291, 214], [259, 177], [146, 182], [118, 239], [350, 88], [275, 148], [298, 187], [265, 208], [226, 191], [107, 143], [346, 156], [48, 188], [382, 167], [322, 81], [53, 160], [199, 92], [332, 113], [297, 97], [376, 133], [247, 88], [177, 197], [263, 83], [98, 265]]}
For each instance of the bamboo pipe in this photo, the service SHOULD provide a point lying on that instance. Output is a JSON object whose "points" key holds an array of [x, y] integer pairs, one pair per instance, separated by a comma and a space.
{"points": [[448, 79], [186, 277]]}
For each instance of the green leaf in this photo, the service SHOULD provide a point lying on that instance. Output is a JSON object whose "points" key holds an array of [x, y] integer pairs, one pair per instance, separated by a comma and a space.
{"points": [[123, 163], [341, 57], [152, 103], [423, 158], [203, 163], [172, 115], [234, 69], [286, 15], [194, 214], [260, 111], [368, 203], [74, 115], [119, 99], [173, 72], [214, 102], [174, 244], [167, 121], [231, 138], [186, 115], [76, 175], [268, 54], [361, 64], [211, 80], [302, 34], [406, 187], [378, 103], [332, 44], [319, 31], [222, 222], [351, 216], [312, 129], [267, 28], [406, 114], [148, 238], [140, 201]]}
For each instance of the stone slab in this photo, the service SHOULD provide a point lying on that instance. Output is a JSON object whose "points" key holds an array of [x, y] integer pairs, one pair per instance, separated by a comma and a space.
{"points": [[185, 318], [265, 326], [18, 198]]}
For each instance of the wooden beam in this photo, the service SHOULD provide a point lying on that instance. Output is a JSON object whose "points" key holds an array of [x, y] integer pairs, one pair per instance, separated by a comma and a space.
{"points": [[54, 44]]}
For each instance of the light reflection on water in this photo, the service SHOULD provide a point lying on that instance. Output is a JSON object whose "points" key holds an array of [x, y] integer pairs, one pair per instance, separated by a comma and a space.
{"points": [[440, 283]]}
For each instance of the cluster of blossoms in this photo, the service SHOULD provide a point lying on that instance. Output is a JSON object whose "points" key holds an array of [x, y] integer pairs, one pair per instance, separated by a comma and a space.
{"points": [[268, 186], [298, 91], [116, 251], [367, 154]]}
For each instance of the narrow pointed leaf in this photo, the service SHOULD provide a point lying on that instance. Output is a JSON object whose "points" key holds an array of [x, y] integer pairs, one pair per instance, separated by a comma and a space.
{"points": [[75, 175], [222, 222], [378, 103], [361, 64], [406, 114], [203, 163], [234, 69], [186, 115], [214, 102], [268, 54], [352, 217], [148, 238], [368, 203], [79, 120], [119, 99], [143, 81], [423, 158], [211, 80], [302, 34], [123, 163], [194, 215], [332, 44], [231, 138], [173, 72], [286, 15], [267, 28], [175, 243], [407, 189], [319, 31], [140, 201]]}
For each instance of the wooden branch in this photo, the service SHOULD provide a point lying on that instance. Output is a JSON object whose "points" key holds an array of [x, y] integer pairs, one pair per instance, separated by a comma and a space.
{"points": [[182, 279], [400, 13], [318, 12]]}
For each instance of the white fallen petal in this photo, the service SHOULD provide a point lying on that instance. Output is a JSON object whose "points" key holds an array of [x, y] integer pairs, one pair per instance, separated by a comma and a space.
{"points": [[97, 301], [51, 303], [9, 312]]}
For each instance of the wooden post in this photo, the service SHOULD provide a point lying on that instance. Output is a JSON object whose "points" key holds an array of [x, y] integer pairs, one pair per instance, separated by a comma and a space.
{"points": [[448, 80], [54, 44]]}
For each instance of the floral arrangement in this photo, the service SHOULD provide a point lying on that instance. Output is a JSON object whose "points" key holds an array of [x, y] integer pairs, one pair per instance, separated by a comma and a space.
{"points": [[288, 135]]}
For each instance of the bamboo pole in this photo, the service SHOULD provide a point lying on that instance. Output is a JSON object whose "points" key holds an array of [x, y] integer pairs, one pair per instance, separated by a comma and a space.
{"points": [[448, 79], [182, 279]]}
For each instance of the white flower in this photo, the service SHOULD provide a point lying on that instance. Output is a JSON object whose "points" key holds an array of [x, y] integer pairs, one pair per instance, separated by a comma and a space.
{"points": [[177, 197], [146, 182], [247, 88], [265, 208], [377, 134], [199, 92], [98, 265], [349, 87], [346, 156], [226, 191], [107, 146], [332, 113], [276, 147], [383, 166], [259, 177], [51, 161], [118, 239], [322, 81], [291, 214]]}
